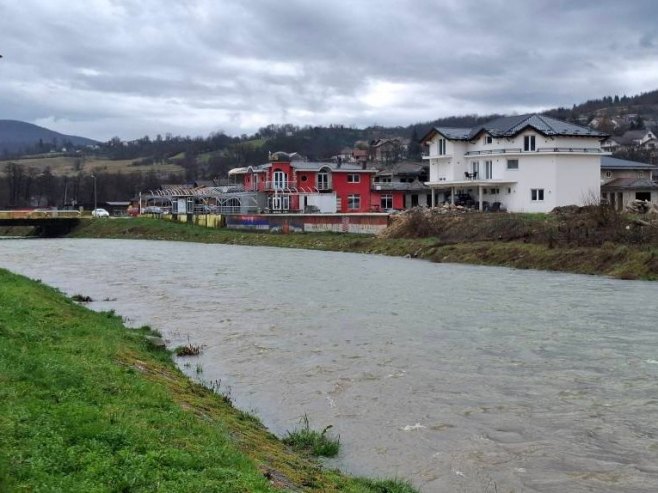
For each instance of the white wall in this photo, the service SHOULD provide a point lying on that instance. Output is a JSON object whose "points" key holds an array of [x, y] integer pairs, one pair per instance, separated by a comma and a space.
{"points": [[326, 202]]}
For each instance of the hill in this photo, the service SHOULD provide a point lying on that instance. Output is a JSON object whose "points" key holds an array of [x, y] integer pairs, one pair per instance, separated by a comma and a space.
{"points": [[22, 137]]}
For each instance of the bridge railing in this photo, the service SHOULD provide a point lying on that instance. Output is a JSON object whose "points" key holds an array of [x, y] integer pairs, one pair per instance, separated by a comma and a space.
{"points": [[39, 214]]}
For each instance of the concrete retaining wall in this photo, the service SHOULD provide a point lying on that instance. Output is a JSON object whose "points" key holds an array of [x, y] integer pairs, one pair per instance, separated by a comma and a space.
{"points": [[290, 223]]}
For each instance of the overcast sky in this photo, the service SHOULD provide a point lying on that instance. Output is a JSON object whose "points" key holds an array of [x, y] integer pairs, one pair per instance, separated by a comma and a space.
{"points": [[129, 68]]}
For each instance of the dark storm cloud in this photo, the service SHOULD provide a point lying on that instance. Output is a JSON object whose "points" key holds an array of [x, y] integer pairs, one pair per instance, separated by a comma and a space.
{"points": [[135, 67]]}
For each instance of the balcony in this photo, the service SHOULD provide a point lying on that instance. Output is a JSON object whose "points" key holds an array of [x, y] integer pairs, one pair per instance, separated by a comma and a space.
{"points": [[280, 186], [397, 185], [489, 152], [436, 156], [579, 150]]}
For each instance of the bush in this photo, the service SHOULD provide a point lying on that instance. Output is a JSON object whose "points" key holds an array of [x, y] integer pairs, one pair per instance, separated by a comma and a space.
{"points": [[312, 442]]}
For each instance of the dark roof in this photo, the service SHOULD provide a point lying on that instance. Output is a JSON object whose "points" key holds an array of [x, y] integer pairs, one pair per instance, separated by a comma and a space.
{"points": [[630, 184], [400, 186], [307, 165], [509, 126], [608, 162], [400, 168]]}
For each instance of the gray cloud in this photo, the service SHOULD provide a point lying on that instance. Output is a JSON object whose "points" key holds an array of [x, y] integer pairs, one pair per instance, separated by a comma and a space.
{"points": [[133, 67]]}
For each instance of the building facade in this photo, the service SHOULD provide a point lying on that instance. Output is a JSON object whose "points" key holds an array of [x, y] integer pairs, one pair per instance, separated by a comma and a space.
{"points": [[624, 181], [527, 163], [295, 185]]}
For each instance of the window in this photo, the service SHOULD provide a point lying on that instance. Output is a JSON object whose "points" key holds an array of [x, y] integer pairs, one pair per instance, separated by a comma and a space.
{"points": [[279, 180], [354, 202], [537, 194], [494, 191], [488, 170], [353, 178], [304, 178], [386, 201], [608, 174], [509, 190], [323, 180], [512, 164], [643, 196], [529, 143], [475, 168], [441, 147], [488, 139]]}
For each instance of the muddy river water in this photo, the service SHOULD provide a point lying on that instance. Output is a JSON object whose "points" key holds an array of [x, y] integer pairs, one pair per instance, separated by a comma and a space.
{"points": [[458, 378]]}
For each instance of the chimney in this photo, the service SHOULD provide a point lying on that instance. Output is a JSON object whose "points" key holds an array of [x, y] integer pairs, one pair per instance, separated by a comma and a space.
{"points": [[339, 162]]}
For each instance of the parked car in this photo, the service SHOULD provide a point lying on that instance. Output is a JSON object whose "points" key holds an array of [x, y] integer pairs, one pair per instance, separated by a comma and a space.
{"points": [[152, 209], [100, 213]]}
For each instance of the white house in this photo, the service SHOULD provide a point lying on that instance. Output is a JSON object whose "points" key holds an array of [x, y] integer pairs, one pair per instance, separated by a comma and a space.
{"points": [[526, 163]]}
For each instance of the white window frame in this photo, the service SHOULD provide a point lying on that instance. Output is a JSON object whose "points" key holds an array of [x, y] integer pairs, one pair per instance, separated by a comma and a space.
{"points": [[279, 179], [353, 202], [488, 139], [441, 147], [475, 167], [488, 169], [529, 143], [537, 194], [322, 180], [514, 168], [386, 201], [353, 178]]}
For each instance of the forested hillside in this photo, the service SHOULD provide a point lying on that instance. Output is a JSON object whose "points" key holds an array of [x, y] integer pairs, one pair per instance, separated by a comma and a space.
{"points": [[123, 168]]}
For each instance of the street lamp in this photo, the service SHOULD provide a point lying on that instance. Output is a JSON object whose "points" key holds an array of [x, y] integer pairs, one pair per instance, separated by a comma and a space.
{"points": [[95, 199]]}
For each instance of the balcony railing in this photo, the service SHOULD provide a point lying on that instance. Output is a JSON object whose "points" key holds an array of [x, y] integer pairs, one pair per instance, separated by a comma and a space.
{"points": [[589, 150], [493, 151], [280, 185]]}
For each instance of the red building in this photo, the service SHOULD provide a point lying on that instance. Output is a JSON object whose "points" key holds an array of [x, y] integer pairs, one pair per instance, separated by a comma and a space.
{"points": [[290, 184]]}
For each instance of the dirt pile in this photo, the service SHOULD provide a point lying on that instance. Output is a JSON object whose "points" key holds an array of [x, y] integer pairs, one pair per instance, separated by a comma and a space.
{"points": [[571, 226]]}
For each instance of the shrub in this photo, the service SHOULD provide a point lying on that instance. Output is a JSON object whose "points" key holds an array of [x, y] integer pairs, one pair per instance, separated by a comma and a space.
{"points": [[313, 442]]}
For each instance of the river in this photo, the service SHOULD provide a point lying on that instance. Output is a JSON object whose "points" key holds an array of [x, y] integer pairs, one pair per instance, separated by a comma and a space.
{"points": [[458, 378]]}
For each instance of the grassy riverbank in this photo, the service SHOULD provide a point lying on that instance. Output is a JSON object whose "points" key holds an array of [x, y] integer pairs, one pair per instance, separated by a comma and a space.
{"points": [[522, 241], [88, 405]]}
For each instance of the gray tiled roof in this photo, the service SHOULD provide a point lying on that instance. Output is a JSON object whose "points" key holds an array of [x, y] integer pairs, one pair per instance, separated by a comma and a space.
{"points": [[512, 125], [509, 126], [453, 133], [331, 165], [630, 184], [608, 162]]}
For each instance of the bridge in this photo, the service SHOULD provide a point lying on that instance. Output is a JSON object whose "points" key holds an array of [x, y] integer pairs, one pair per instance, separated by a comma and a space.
{"points": [[46, 222]]}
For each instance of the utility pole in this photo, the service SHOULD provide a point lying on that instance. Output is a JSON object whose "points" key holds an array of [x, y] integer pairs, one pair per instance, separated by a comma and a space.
{"points": [[95, 198]]}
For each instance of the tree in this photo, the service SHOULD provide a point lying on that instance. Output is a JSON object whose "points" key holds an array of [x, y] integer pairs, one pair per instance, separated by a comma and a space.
{"points": [[414, 150]]}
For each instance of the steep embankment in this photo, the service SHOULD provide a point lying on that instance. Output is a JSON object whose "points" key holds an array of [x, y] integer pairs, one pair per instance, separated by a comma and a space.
{"points": [[520, 241], [87, 405]]}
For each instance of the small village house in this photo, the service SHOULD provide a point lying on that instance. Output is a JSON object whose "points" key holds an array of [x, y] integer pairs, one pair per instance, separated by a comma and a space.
{"points": [[401, 186], [624, 181]]}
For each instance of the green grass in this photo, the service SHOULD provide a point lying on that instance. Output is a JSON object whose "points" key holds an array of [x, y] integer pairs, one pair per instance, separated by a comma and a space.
{"points": [[620, 261], [312, 442], [87, 405]]}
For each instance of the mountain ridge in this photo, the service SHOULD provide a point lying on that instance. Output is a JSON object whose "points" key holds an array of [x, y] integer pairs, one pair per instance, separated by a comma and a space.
{"points": [[19, 136]]}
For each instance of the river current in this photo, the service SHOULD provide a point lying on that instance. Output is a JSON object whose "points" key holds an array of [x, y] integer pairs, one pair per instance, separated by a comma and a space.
{"points": [[458, 378]]}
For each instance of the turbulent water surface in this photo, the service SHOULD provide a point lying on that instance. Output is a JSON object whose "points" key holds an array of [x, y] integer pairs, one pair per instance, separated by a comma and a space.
{"points": [[458, 378]]}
